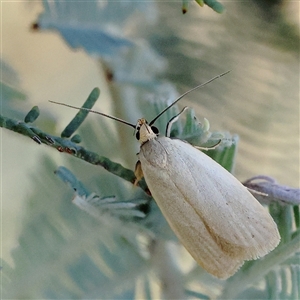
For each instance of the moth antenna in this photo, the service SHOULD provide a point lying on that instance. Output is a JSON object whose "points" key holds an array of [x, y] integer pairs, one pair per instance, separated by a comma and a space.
{"points": [[173, 120], [184, 94], [95, 112]]}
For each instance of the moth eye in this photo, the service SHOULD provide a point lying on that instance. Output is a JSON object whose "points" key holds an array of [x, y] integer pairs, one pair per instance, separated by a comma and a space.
{"points": [[137, 135], [155, 129]]}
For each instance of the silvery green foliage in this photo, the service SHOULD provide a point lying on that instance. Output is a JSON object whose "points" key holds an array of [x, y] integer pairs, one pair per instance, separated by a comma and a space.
{"points": [[10, 89], [117, 245], [94, 27]]}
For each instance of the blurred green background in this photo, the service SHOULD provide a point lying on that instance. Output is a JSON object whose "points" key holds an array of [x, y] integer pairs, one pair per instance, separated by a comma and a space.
{"points": [[258, 100]]}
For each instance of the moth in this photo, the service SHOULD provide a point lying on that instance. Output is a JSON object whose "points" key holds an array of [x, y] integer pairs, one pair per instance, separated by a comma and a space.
{"points": [[213, 215]]}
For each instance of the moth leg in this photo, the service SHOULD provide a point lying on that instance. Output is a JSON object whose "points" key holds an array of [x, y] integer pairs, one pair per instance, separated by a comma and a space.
{"points": [[255, 192], [173, 120], [138, 172], [209, 148]]}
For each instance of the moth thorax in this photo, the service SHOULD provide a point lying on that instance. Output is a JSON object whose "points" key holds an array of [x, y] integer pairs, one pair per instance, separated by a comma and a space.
{"points": [[145, 132]]}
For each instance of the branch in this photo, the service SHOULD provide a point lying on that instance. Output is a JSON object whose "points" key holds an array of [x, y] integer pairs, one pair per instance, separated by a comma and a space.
{"points": [[271, 191], [67, 146]]}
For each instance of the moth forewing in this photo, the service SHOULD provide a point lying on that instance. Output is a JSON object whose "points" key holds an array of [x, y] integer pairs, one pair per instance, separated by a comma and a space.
{"points": [[214, 216]]}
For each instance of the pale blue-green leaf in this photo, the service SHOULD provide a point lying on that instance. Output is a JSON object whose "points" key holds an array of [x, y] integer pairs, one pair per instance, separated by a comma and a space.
{"points": [[68, 177], [295, 272], [196, 295], [11, 96], [94, 206], [61, 248], [92, 40], [97, 206], [97, 27]]}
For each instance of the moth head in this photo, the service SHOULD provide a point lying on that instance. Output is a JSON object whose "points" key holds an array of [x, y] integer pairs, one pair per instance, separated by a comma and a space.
{"points": [[145, 132]]}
